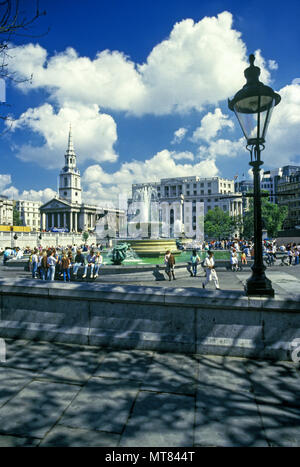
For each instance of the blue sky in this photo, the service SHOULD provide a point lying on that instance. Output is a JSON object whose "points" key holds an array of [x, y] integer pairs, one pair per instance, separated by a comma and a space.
{"points": [[145, 86]]}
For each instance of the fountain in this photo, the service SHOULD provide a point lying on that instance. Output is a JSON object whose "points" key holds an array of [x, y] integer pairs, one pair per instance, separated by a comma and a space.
{"points": [[145, 226]]}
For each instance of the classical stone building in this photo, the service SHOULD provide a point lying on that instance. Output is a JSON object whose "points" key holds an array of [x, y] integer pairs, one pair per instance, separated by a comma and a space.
{"points": [[288, 190], [6, 211], [67, 211], [29, 212], [186, 200]]}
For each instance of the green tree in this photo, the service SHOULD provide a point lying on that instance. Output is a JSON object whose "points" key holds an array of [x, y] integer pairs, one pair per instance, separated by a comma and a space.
{"points": [[218, 224], [16, 217], [85, 236], [273, 217]]}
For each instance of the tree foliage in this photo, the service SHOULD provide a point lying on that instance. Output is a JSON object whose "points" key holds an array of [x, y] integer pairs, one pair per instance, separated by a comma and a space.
{"points": [[273, 217], [218, 224], [16, 217], [85, 236]]}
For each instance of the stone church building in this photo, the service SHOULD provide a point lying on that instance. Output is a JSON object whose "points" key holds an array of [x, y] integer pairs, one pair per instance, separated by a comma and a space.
{"points": [[67, 210]]}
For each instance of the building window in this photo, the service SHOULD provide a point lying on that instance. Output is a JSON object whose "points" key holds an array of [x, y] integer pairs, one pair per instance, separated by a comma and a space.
{"points": [[66, 181], [65, 193]]}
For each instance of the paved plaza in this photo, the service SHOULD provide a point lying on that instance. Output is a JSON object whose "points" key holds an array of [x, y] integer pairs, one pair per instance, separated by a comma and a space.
{"points": [[67, 395], [285, 279], [55, 394]]}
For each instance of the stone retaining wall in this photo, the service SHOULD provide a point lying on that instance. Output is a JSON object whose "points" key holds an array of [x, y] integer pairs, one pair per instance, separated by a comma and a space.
{"points": [[127, 317], [48, 239]]}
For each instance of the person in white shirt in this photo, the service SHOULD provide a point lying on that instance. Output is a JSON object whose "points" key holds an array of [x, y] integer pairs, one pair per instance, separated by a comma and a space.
{"points": [[209, 264], [51, 261], [98, 263]]}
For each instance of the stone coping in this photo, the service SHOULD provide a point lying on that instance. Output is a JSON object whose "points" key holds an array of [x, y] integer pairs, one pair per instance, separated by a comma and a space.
{"points": [[131, 268], [177, 296]]}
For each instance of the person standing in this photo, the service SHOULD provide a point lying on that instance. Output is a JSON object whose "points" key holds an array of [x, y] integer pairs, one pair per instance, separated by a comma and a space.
{"points": [[65, 264], [195, 260], [51, 261], [234, 260], [170, 265], [209, 264], [34, 263], [44, 265], [244, 257]]}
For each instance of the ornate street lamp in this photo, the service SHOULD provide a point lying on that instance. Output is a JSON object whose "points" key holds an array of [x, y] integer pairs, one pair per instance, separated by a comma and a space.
{"points": [[253, 106]]}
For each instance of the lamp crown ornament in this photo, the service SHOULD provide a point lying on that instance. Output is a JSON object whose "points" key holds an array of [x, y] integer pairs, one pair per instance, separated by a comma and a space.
{"points": [[252, 73]]}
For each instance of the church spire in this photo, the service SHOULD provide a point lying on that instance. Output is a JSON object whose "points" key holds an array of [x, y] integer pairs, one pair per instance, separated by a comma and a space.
{"points": [[70, 156], [70, 150]]}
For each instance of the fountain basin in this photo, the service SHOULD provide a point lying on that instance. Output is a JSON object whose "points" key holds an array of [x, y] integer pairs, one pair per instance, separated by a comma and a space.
{"points": [[148, 247]]}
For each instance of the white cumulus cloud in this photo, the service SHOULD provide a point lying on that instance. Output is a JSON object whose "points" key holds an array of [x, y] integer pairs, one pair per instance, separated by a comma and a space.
{"points": [[199, 63], [179, 135], [94, 134], [211, 125], [101, 186]]}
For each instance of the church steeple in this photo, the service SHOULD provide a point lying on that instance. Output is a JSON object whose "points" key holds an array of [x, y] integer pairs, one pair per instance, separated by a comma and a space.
{"points": [[69, 179], [70, 156]]}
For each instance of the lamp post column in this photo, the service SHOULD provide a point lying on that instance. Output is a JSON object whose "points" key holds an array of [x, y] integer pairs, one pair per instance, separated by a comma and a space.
{"points": [[258, 282]]}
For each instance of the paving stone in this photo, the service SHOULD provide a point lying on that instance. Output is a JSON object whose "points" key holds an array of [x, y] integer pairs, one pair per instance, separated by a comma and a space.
{"points": [[34, 356], [15, 441], [128, 365], [61, 436], [222, 373], [35, 409], [160, 420], [232, 413], [75, 366], [275, 383], [214, 433], [172, 373], [281, 424], [103, 404], [11, 382]]}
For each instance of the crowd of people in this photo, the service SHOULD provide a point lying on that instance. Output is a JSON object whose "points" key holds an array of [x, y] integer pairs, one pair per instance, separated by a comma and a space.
{"points": [[54, 263], [64, 262]]}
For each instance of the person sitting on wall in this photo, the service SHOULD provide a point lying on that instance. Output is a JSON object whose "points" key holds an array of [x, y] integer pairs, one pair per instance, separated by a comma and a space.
{"points": [[98, 263], [79, 261], [90, 263]]}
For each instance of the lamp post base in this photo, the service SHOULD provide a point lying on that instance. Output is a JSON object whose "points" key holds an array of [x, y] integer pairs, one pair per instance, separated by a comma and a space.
{"points": [[259, 285]]}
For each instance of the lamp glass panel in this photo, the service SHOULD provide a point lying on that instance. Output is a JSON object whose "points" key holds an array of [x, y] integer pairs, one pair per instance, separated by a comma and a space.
{"points": [[248, 110]]}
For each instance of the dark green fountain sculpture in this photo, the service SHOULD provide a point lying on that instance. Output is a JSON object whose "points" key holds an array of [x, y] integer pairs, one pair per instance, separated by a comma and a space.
{"points": [[119, 253]]}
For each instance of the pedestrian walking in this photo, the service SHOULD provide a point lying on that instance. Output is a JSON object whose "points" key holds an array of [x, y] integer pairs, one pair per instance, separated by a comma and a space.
{"points": [[209, 264]]}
